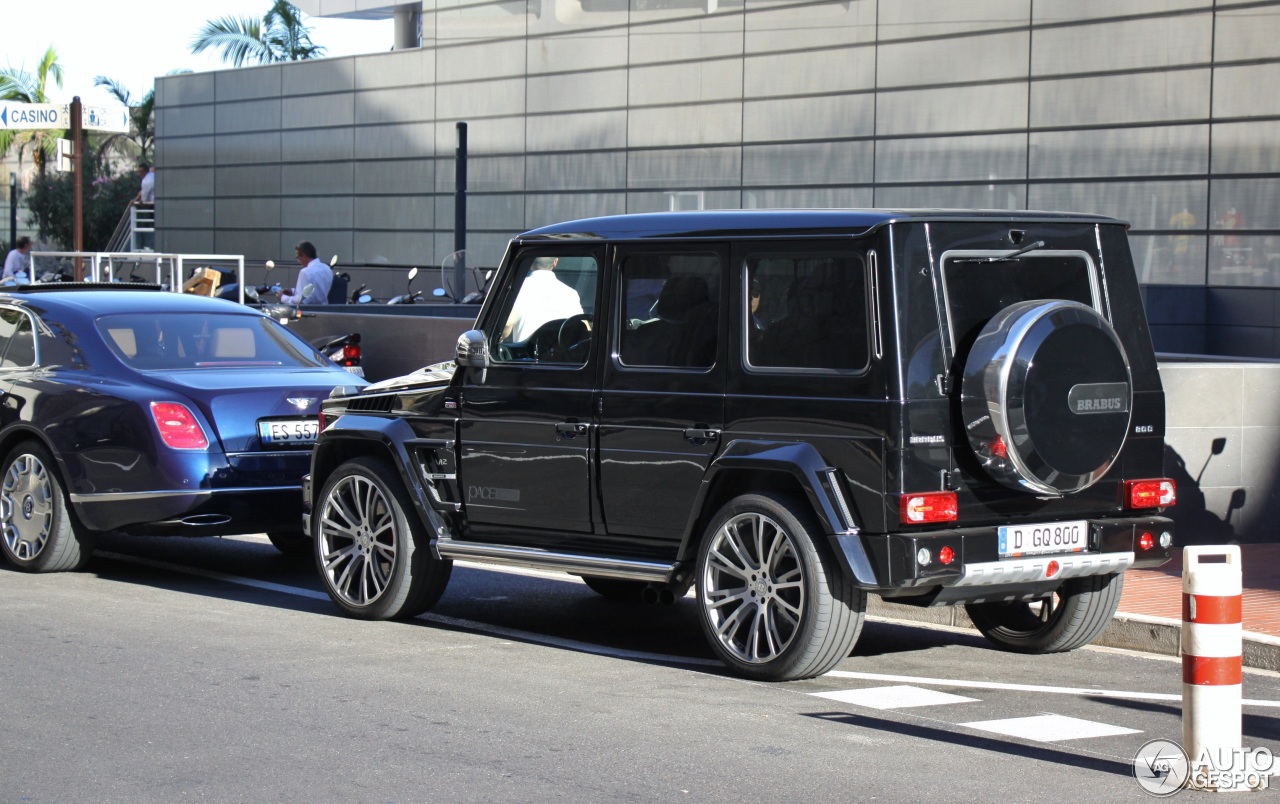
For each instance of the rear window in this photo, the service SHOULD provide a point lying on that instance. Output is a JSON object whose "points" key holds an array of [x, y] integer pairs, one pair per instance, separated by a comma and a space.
{"points": [[194, 341], [976, 290]]}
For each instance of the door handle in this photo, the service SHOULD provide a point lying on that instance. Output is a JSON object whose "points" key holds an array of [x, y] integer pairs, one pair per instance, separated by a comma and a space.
{"points": [[571, 429], [700, 435]]}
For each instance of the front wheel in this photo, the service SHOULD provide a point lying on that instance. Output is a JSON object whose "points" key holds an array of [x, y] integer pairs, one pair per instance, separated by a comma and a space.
{"points": [[775, 604], [39, 531], [371, 549], [1070, 618]]}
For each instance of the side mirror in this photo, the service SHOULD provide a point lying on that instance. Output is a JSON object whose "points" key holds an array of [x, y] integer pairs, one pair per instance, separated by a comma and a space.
{"points": [[473, 352], [438, 293]]}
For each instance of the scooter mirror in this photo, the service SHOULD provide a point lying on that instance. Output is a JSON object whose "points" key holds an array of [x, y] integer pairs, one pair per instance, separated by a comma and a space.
{"points": [[438, 292], [413, 272], [364, 298], [271, 264], [333, 260], [307, 289]]}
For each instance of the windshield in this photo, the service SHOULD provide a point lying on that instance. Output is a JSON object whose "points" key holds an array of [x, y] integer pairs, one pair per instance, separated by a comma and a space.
{"points": [[169, 341]]}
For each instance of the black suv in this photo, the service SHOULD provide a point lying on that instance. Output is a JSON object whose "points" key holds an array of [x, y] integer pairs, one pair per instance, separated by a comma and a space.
{"points": [[785, 410]]}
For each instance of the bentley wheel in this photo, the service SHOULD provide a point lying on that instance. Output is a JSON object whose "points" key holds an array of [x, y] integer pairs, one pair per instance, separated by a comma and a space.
{"points": [[1070, 618], [371, 549], [40, 533], [775, 604]]}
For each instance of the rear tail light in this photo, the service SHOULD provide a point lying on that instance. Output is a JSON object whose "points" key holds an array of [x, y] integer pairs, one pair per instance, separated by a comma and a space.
{"points": [[178, 426], [934, 506], [322, 422], [351, 354], [1156, 493], [1146, 541]]}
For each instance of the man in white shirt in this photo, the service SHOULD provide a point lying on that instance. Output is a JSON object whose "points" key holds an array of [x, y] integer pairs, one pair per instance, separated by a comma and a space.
{"points": [[17, 265], [314, 273], [542, 298]]}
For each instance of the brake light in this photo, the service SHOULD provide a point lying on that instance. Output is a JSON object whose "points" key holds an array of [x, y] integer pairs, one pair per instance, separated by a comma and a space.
{"points": [[178, 426], [1157, 493], [351, 354], [322, 422], [934, 506]]}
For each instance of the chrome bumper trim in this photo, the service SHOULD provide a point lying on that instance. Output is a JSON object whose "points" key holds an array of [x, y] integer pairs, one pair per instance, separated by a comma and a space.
{"points": [[126, 496], [1032, 568]]}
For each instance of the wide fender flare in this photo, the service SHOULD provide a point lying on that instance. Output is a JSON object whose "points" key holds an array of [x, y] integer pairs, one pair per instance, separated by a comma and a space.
{"points": [[392, 436], [817, 479]]}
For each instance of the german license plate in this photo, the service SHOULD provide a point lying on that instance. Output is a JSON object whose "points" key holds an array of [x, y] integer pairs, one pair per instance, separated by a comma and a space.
{"points": [[1053, 537], [289, 431]]}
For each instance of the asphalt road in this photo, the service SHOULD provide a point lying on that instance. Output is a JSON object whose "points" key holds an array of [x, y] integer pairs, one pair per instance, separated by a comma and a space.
{"points": [[217, 670]]}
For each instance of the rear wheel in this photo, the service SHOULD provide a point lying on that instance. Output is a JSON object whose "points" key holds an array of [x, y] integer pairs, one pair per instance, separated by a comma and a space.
{"points": [[615, 588], [39, 531], [774, 603], [1070, 618], [371, 549]]}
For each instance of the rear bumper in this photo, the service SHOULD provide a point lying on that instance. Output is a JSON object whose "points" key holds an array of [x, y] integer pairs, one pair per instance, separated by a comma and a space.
{"points": [[202, 512], [978, 572]]}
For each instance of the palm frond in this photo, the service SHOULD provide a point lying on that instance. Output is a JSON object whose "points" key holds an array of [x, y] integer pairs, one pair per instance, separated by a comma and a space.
{"points": [[115, 88], [239, 39]]}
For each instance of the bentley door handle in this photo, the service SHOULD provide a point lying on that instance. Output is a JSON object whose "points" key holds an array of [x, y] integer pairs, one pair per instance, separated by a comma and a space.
{"points": [[571, 429], [700, 435]]}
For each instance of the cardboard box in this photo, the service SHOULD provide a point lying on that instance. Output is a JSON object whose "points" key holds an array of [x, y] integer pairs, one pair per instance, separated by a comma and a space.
{"points": [[203, 283]]}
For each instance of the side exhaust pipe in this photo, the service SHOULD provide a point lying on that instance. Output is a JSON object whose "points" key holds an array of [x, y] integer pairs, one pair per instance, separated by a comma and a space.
{"points": [[658, 595]]}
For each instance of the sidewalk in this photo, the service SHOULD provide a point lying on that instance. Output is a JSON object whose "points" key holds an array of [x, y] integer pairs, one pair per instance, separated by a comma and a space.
{"points": [[1150, 614]]}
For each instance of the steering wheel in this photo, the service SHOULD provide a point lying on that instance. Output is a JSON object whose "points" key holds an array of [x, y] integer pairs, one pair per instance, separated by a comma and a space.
{"points": [[574, 334]]}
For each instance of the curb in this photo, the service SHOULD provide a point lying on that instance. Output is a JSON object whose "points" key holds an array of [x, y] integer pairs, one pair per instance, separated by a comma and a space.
{"points": [[1136, 632]]}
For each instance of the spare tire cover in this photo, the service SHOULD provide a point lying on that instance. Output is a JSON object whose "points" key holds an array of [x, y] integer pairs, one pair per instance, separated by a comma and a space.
{"points": [[1046, 397]]}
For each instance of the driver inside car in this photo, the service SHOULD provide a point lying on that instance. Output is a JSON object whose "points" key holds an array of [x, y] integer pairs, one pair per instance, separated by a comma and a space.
{"points": [[542, 298]]}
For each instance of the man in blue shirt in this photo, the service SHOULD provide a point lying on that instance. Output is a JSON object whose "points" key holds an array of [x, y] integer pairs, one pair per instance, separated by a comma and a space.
{"points": [[314, 273]]}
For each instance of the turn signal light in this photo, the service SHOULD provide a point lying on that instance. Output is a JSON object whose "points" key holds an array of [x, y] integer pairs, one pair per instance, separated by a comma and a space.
{"points": [[1146, 541], [1157, 493], [178, 426], [921, 509], [946, 555]]}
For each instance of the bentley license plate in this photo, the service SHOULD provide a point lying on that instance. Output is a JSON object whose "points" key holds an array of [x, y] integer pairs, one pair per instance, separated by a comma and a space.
{"points": [[1053, 537], [289, 431]]}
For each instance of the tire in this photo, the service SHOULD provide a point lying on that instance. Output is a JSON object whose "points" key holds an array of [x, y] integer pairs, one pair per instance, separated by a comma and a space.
{"points": [[1047, 396], [370, 548], [792, 614], [293, 543], [1073, 617], [615, 588], [38, 530]]}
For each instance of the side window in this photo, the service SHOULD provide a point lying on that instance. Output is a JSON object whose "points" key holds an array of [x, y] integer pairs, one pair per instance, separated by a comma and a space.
{"points": [[670, 310], [548, 315], [806, 312], [18, 339]]}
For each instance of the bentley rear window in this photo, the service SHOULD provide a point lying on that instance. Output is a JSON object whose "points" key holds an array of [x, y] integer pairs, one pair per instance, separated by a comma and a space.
{"points": [[172, 341], [980, 284]]}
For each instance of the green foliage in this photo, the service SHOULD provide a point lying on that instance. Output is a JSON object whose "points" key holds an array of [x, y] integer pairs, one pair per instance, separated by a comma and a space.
{"points": [[140, 142], [280, 35], [17, 84], [106, 199]]}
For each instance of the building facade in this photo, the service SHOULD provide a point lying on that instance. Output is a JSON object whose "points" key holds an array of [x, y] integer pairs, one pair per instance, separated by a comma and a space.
{"points": [[1160, 112]]}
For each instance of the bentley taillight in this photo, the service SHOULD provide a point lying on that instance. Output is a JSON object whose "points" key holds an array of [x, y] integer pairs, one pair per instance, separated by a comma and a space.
{"points": [[178, 426]]}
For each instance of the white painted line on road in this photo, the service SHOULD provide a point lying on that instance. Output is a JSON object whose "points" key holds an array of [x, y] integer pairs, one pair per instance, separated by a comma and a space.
{"points": [[997, 685], [1049, 728], [471, 625], [899, 697]]}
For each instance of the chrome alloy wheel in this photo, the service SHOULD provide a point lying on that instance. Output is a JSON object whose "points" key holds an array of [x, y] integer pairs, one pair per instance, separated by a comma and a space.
{"points": [[357, 540], [753, 587], [26, 507]]}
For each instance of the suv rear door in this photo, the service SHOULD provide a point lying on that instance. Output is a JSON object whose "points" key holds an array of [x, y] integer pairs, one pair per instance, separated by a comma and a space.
{"points": [[662, 392]]}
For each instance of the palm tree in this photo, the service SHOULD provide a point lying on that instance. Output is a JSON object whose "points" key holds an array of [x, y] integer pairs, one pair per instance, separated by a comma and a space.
{"points": [[20, 85], [279, 36], [142, 127]]}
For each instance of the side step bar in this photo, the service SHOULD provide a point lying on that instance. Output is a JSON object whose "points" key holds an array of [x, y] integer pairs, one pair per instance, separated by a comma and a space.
{"points": [[624, 568]]}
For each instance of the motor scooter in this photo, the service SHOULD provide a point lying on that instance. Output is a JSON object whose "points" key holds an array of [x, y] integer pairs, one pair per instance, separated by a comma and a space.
{"points": [[410, 296]]}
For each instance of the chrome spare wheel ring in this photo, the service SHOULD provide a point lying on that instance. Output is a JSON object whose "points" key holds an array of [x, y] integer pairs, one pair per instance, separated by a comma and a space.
{"points": [[753, 587], [26, 507], [357, 540]]}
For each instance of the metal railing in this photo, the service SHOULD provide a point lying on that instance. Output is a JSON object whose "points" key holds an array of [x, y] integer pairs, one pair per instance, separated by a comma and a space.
{"points": [[102, 265]]}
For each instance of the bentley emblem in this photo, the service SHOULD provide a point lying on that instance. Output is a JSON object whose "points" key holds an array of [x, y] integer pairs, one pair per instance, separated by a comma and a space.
{"points": [[299, 402]]}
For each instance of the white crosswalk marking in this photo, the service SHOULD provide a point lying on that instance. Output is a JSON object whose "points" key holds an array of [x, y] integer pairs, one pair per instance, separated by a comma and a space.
{"points": [[1049, 728], [899, 697]]}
